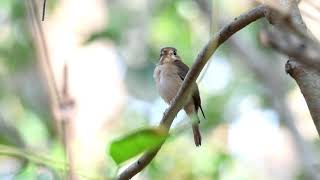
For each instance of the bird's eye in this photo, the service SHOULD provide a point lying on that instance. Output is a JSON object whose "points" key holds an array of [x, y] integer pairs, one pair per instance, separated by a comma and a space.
{"points": [[175, 53]]}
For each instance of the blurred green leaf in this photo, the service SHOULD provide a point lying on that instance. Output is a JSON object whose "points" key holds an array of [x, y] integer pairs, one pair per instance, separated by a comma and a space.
{"points": [[220, 163], [32, 129], [110, 33], [169, 28], [136, 143], [39, 160], [30, 172], [114, 28], [18, 10], [9, 135], [17, 49]]}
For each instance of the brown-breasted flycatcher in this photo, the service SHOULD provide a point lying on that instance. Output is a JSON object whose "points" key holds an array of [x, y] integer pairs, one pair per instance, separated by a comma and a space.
{"points": [[169, 75]]}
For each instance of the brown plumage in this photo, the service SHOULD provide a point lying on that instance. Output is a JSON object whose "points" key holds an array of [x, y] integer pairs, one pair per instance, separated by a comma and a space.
{"points": [[169, 75]]}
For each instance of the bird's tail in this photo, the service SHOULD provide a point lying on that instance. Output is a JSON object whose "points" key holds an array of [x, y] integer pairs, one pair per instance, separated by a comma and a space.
{"points": [[195, 125], [196, 134]]}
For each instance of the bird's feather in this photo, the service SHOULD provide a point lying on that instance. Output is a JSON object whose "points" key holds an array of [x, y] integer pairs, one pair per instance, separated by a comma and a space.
{"points": [[182, 72]]}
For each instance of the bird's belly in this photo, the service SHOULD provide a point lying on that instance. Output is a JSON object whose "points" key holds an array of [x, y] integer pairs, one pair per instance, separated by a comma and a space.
{"points": [[169, 86]]}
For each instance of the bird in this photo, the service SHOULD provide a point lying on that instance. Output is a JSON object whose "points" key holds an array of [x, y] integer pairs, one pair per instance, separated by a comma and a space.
{"points": [[169, 75]]}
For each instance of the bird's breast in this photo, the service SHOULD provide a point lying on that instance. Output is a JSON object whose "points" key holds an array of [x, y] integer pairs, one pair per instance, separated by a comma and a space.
{"points": [[167, 80]]}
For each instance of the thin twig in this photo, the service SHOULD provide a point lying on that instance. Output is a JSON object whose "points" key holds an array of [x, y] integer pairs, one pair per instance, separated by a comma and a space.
{"points": [[203, 57], [37, 28], [64, 103], [66, 110], [44, 9]]}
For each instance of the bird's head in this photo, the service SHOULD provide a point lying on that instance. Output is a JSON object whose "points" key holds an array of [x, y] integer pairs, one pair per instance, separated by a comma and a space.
{"points": [[168, 54]]}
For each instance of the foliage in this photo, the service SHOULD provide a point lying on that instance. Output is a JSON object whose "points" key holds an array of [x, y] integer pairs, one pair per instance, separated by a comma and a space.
{"points": [[135, 143]]}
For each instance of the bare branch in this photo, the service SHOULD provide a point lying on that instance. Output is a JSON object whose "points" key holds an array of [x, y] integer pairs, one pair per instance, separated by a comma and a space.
{"points": [[66, 116], [44, 53], [304, 49], [275, 91], [202, 58], [306, 77], [309, 82], [62, 103]]}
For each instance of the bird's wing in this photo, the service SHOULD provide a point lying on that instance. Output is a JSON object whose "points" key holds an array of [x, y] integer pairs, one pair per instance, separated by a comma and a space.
{"points": [[182, 72], [182, 68]]}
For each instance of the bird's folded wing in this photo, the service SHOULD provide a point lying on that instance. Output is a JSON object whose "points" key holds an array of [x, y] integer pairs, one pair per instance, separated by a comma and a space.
{"points": [[182, 72]]}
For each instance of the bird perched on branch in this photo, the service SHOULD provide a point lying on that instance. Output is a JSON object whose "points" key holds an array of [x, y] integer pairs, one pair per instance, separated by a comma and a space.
{"points": [[169, 75]]}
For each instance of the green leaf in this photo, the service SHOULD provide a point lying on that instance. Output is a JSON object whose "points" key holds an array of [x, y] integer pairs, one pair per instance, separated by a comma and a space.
{"points": [[9, 135], [135, 143]]}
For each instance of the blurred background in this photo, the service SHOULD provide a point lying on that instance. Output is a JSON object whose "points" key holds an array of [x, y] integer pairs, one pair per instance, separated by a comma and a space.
{"points": [[83, 77]]}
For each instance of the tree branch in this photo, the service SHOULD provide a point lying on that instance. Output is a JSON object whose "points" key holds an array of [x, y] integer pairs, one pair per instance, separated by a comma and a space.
{"points": [[202, 58], [44, 55], [304, 49], [308, 52], [309, 83], [307, 77], [63, 104], [275, 91]]}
